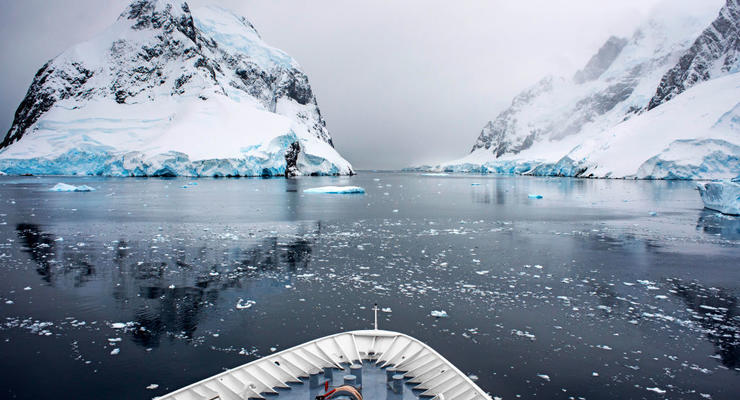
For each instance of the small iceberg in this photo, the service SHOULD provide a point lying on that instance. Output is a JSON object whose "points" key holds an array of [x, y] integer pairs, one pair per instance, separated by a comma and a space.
{"points": [[435, 174], [722, 196], [439, 314], [336, 190], [243, 305], [535, 196], [63, 187], [475, 184]]}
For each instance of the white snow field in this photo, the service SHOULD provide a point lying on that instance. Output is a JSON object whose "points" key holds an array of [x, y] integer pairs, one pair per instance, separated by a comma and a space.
{"points": [[722, 196], [336, 190], [207, 98]]}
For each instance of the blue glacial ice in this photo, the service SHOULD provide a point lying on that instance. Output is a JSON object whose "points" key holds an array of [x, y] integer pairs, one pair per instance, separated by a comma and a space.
{"points": [[63, 187], [336, 190], [722, 196]]}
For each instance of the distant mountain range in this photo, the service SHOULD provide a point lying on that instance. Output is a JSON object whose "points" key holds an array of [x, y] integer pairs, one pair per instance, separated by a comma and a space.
{"points": [[168, 91], [663, 104]]}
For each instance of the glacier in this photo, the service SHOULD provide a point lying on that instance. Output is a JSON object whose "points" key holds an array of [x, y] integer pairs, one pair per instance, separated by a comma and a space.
{"points": [[722, 196], [166, 91], [662, 104]]}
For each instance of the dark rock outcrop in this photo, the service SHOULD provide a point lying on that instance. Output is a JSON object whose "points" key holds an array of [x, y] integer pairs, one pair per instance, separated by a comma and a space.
{"points": [[291, 160], [714, 53]]}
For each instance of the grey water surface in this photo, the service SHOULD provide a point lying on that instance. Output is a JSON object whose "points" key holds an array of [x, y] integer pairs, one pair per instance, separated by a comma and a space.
{"points": [[601, 289]]}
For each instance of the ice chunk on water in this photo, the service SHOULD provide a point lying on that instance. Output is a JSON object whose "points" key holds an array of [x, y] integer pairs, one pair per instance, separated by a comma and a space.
{"points": [[439, 314], [152, 386], [722, 196], [336, 190], [544, 376], [63, 187], [535, 196], [244, 304]]}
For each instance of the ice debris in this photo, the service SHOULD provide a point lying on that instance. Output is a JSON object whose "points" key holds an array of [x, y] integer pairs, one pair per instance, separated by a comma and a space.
{"points": [[439, 314], [63, 187], [535, 196], [336, 190], [152, 386]]}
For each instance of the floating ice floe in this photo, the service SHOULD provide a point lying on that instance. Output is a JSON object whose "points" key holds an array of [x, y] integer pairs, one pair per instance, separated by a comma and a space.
{"points": [[336, 190], [535, 196], [244, 304], [115, 351], [63, 187], [545, 377], [656, 390], [722, 196], [439, 314], [152, 386], [386, 310]]}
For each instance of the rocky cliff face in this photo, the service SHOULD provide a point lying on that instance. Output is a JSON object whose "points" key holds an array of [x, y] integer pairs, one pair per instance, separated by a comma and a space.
{"points": [[715, 52], [162, 58], [601, 61]]}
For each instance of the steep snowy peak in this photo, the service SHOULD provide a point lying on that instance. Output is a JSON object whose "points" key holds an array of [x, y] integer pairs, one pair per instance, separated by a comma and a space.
{"points": [[623, 87], [715, 52], [167, 90], [159, 48]]}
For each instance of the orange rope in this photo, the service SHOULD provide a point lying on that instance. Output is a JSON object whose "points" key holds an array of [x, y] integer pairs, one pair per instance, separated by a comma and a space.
{"points": [[351, 390]]}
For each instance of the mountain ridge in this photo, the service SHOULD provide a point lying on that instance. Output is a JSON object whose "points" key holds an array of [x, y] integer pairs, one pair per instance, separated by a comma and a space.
{"points": [[562, 126]]}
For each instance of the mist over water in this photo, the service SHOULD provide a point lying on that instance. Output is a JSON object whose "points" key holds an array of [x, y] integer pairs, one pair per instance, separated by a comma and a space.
{"points": [[609, 289]]}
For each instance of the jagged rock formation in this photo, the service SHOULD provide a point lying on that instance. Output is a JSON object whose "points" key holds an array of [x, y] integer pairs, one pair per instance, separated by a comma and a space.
{"points": [[167, 89], [715, 52]]}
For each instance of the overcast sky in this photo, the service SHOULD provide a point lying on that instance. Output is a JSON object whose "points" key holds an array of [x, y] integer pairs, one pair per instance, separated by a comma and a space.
{"points": [[398, 82]]}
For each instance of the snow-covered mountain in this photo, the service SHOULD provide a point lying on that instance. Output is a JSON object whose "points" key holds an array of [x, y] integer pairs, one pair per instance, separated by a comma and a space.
{"points": [[661, 104], [165, 91]]}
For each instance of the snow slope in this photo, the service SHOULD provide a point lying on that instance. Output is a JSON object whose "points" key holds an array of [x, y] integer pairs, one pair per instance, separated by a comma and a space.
{"points": [[165, 91], [598, 124]]}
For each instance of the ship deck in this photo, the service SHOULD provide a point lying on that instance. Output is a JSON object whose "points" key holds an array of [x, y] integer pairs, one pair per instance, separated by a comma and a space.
{"points": [[374, 386]]}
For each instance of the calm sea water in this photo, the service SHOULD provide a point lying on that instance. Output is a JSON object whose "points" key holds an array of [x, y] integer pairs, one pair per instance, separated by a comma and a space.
{"points": [[600, 289]]}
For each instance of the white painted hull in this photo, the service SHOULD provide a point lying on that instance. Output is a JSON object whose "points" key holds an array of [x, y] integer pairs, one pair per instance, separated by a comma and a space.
{"points": [[425, 370]]}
